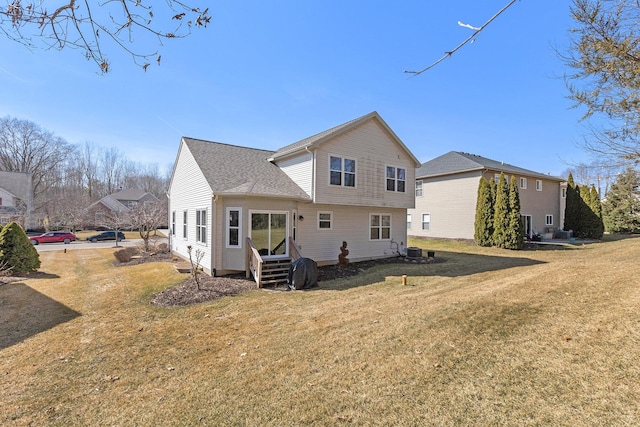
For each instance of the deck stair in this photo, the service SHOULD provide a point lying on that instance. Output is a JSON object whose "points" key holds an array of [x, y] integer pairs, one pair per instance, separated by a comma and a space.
{"points": [[275, 272]]}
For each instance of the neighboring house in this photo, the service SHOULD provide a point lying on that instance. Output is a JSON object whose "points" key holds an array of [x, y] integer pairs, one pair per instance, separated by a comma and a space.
{"points": [[351, 183], [120, 202], [8, 210], [447, 189], [16, 199]]}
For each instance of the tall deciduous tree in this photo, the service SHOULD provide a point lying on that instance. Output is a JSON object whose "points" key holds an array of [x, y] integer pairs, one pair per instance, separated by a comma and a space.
{"points": [[483, 235], [147, 217], [26, 147], [604, 54], [93, 27]]}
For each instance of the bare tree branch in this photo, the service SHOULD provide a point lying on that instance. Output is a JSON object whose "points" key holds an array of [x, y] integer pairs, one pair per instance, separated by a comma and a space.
{"points": [[80, 25]]}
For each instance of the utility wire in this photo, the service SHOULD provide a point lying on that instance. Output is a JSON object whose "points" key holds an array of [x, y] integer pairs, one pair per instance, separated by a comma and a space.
{"points": [[467, 40]]}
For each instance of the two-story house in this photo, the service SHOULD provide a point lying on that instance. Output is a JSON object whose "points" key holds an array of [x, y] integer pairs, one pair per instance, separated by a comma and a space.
{"points": [[242, 206], [447, 190], [120, 202]]}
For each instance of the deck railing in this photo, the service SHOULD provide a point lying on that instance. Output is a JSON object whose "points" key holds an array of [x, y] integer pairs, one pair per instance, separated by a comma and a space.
{"points": [[294, 250], [254, 262]]}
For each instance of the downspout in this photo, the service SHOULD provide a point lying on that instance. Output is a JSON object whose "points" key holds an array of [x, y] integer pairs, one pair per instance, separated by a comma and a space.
{"points": [[214, 201], [313, 173]]}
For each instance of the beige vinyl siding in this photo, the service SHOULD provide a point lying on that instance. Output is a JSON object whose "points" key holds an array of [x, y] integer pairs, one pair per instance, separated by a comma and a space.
{"points": [[234, 259], [451, 202], [350, 224], [539, 204], [190, 191], [300, 170], [373, 150]]}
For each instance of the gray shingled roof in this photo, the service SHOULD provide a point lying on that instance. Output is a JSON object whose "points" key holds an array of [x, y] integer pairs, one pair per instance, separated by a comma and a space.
{"points": [[231, 169], [321, 137], [111, 203], [457, 162]]}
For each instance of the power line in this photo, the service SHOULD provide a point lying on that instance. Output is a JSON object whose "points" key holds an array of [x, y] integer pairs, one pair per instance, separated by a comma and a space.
{"points": [[467, 40]]}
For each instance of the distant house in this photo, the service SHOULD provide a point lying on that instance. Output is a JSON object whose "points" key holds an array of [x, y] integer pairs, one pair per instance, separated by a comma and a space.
{"points": [[16, 199], [120, 202], [243, 208], [446, 192]]}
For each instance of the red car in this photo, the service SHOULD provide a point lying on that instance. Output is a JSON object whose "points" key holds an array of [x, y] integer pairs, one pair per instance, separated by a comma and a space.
{"points": [[53, 237]]}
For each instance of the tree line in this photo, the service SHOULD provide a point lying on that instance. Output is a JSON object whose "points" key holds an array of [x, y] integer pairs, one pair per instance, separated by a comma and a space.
{"points": [[67, 178]]}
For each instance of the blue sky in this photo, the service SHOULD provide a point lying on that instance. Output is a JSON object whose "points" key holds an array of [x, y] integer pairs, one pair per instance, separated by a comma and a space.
{"points": [[266, 74]]}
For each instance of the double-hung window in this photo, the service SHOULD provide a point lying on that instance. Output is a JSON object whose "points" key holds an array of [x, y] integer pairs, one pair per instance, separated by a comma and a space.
{"points": [[201, 225], [538, 185], [419, 188], [184, 224], [342, 171], [523, 183], [380, 227], [408, 221], [173, 223], [396, 179], [426, 221], [325, 220], [549, 220], [234, 233]]}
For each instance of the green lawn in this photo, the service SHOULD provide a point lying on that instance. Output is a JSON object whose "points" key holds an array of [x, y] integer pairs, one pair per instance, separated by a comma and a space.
{"points": [[482, 337]]}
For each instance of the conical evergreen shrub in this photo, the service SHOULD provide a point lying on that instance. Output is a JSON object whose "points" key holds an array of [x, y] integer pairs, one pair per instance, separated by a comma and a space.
{"points": [[514, 238], [16, 250], [484, 215]]}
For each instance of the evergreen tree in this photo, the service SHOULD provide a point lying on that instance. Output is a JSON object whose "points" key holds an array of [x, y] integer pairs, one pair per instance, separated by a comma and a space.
{"points": [[501, 213], [572, 206], [484, 214], [596, 208], [16, 250], [514, 238], [585, 220], [621, 209]]}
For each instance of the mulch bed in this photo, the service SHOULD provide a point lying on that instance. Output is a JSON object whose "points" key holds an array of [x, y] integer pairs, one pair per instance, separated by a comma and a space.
{"points": [[187, 292]]}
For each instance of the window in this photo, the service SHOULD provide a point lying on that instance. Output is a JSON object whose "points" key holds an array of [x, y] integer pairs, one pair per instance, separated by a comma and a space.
{"points": [[419, 188], [325, 220], [380, 227], [234, 228], [538, 185], [496, 178], [201, 225], [426, 221], [523, 183], [184, 224], [549, 220], [173, 223], [342, 171], [563, 193], [0, 201], [396, 179], [408, 221]]}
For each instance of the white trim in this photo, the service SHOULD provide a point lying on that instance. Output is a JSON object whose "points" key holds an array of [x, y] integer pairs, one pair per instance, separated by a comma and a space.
{"points": [[422, 222], [546, 219], [202, 216], [538, 185], [523, 183], [330, 213], [342, 171], [271, 212], [380, 227], [395, 178], [421, 188], [228, 228]]}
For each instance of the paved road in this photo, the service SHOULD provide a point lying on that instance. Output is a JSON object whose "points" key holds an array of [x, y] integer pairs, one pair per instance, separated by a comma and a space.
{"points": [[83, 244]]}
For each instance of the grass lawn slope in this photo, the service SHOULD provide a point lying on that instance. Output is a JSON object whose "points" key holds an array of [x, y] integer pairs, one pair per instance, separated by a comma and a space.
{"points": [[482, 337]]}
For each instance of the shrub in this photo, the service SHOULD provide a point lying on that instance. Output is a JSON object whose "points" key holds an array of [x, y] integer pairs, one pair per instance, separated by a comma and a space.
{"points": [[16, 251], [124, 255]]}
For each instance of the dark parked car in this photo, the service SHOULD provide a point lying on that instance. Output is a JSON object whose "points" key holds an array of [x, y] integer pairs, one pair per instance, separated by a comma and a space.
{"points": [[53, 237], [106, 235]]}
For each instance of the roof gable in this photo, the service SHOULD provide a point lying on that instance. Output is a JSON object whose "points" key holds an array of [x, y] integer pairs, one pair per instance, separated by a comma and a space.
{"points": [[457, 162], [329, 134]]}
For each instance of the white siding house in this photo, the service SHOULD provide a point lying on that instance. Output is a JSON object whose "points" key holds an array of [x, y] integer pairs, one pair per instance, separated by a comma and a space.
{"points": [[351, 183]]}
